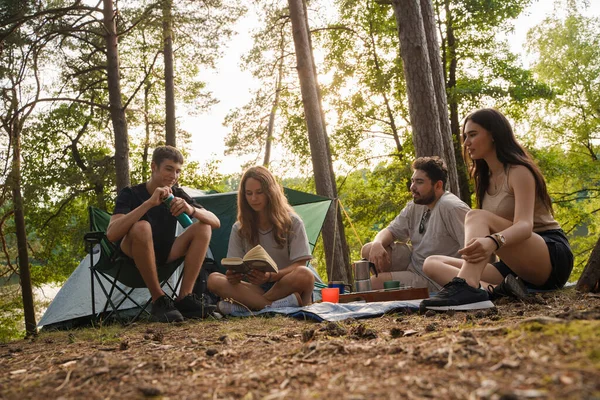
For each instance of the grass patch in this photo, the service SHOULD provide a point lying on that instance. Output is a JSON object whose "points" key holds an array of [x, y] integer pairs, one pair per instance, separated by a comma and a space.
{"points": [[582, 335]]}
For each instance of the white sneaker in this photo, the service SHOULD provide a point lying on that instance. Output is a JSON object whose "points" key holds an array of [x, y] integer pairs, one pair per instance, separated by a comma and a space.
{"points": [[293, 300], [227, 308]]}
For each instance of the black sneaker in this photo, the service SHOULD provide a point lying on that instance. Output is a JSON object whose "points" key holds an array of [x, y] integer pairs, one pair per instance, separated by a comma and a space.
{"points": [[511, 286], [457, 295], [191, 306], [163, 310]]}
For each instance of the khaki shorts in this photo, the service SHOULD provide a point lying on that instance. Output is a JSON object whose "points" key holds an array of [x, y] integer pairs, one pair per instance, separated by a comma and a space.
{"points": [[402, 270]]}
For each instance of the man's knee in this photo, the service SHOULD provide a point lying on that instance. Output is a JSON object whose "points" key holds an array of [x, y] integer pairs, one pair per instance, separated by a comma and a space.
{"points": [[200, 230], [141, 231], [366, 249], [400, 255]]}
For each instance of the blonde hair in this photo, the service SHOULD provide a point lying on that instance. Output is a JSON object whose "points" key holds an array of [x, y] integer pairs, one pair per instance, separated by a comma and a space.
{"points": [[277, 208]]}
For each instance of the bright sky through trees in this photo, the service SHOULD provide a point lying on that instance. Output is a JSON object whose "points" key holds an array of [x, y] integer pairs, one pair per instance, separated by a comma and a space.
{"points": [[231, 86]]}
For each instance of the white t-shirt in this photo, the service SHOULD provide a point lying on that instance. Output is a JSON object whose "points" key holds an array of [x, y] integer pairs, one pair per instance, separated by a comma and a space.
{"points": [[297, 248], [444, 230]]}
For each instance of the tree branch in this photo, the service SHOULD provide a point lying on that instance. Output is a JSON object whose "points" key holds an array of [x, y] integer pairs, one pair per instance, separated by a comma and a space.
{"points": [[142, 82], [64, 204]]}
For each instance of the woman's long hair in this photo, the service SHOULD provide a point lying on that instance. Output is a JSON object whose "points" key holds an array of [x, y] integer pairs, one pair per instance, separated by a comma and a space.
{"points": [[508, 151], [277, 208]]}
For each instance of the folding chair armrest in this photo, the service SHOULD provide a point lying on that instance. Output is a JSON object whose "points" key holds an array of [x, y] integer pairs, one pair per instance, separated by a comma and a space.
{"points": [[94, 237]]}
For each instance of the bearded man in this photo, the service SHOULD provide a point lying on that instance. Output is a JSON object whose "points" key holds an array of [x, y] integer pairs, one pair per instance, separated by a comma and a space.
{"points": [[432, 223]]}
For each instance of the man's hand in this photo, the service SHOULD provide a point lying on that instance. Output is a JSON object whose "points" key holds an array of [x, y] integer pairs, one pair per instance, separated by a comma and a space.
{"points": [[233, 278], [180, 206], [478, 250], [160, 193], [379, 256], [256, 277]]}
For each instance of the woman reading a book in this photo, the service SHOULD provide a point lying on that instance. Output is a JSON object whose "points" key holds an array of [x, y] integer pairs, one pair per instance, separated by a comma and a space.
{"points": [[265, 218]]}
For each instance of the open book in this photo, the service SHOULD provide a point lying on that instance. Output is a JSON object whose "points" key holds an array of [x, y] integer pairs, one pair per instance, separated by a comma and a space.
{"points": [[255, 258]]}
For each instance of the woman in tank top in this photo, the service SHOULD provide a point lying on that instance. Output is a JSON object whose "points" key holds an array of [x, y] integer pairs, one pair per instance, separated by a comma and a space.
{"points": [[266, 218], [514, 221]]}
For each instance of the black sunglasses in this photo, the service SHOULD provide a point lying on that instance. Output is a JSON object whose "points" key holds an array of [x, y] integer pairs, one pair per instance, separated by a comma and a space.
{"points": [[424, 220]]}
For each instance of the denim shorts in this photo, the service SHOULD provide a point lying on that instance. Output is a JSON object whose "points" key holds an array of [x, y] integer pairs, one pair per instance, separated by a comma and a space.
{"points": [[561, 258], [267, 286]]}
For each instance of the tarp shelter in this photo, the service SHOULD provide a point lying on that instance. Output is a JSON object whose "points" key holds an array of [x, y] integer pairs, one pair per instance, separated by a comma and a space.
{"points": [[73, 303]]}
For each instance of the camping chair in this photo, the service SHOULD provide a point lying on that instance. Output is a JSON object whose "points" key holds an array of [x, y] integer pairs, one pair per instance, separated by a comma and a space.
{"points": [[117, 271]]}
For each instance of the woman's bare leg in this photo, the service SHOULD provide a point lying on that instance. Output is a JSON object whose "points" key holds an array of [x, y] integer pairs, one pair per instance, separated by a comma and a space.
{"points": [[528, 259], [301, 280], [250, 295]]}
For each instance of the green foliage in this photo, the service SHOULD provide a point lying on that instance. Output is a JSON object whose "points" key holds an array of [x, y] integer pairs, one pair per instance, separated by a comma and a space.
{"points": [[11, 313], [487, 72], [372, 199], [272, 61], [367, 90], [568, 60], [206, 177]]}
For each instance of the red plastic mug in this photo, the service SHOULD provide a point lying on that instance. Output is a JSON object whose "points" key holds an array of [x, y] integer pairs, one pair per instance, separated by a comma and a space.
{"points": [[330, 295]]}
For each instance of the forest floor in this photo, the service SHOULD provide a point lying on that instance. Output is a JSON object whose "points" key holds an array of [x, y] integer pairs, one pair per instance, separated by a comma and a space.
{"points": [[548, 347]]}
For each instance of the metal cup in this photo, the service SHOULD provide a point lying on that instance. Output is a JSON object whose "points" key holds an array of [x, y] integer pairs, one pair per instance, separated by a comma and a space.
{"points": [[363, 285], [362, 270]]}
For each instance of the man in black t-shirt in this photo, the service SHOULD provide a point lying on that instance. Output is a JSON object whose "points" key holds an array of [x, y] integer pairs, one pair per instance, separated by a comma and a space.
{"points": [[144, 228]]}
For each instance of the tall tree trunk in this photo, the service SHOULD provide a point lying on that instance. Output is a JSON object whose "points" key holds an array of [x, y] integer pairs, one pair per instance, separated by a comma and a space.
{"points": [[19, 215], [169, 76], [590, 277], [338, 229], [422, 104], [146, 145], [271, 127], [461, 167], [439, 85], [338, 267], [117, 112]]}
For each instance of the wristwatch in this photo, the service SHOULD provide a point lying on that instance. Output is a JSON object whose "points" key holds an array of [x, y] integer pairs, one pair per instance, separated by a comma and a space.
{"points": [[500, 239]]}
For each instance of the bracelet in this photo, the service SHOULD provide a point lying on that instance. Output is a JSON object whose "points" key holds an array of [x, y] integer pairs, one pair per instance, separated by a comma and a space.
{"points": [[495, 241], [192, 214]]}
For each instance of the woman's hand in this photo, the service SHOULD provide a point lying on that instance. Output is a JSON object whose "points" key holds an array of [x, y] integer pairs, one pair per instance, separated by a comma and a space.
{"points": [[478, 250], [258, 277], [233, 278]]}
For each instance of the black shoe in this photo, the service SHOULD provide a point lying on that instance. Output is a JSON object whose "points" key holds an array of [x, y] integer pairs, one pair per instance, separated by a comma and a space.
{"points": [[191, 306], [163, 310], [511, 286], [457, 295]]}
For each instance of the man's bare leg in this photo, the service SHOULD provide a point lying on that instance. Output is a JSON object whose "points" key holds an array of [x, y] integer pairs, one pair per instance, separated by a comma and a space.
{"points": [[138, 245], [193, 243]]}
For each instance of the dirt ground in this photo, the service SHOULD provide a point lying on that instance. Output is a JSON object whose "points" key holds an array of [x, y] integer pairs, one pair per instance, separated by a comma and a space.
{"points": [[548, 347]]}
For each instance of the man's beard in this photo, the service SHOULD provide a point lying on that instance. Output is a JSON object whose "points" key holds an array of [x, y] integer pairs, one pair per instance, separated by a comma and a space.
{"points": [[425, 200]]}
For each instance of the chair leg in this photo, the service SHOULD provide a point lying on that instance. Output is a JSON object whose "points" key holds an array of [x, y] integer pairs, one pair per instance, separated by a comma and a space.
{"points": [[142, 310], [92, 273], [126, 296]]}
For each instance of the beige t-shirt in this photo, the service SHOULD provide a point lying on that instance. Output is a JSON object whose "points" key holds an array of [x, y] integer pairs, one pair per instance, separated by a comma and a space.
{"points": [[297, 248], [444, 230]]}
